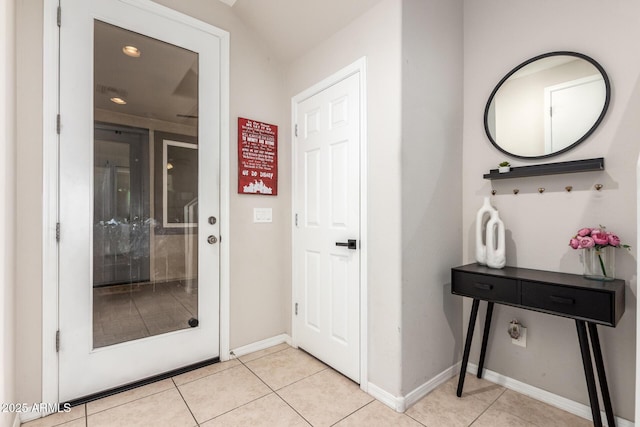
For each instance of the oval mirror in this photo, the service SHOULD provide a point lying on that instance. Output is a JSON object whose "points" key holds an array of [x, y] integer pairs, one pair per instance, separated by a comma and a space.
{"points": [[547, 105]]}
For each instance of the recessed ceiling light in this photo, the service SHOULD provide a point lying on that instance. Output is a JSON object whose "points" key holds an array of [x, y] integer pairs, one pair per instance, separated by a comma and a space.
{"points": [[131, 51], [118, 101]]}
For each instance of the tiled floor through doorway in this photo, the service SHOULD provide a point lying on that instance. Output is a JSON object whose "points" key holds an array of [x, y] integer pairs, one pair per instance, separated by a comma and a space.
{"points": [[132, 311], [282, 386]]}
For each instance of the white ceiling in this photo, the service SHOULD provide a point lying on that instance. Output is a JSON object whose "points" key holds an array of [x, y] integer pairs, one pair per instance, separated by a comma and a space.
{"points": [[289, 27], [292, 27]]}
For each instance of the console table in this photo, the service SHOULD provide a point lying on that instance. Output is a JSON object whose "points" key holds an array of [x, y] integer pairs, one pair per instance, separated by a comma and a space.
{"points": [[588, 302]]}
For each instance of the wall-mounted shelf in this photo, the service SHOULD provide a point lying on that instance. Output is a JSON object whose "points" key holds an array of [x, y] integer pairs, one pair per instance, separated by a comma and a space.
{"points": [[587, 165]]}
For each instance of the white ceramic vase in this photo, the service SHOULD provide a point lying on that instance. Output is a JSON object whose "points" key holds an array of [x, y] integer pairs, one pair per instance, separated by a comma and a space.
{"points": [[496, 253], [482, 218]]}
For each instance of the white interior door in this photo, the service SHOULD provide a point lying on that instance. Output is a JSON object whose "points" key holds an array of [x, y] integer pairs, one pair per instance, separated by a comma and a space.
{"points": [[572, 108], [138, 276], [327, 218]]}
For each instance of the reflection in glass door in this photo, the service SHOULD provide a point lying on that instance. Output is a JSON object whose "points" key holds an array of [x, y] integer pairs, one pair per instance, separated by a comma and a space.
{"points": [[121, 206], [144, 263]]}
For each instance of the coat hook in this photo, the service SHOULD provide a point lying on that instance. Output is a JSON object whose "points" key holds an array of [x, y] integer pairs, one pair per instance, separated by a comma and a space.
{"points": [[541, 190], [568, 188], [493, 192], [516, 191], [598, 187]]}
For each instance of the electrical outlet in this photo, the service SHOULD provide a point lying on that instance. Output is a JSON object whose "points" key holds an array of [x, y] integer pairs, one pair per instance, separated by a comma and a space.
{"points": [[522, 339]]}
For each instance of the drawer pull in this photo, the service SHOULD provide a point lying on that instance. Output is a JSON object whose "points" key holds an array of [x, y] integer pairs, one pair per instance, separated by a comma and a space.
{"points": [[483, 286], [562, 300]]}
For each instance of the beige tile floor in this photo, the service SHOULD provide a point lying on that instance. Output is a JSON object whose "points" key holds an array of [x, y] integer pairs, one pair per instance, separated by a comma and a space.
{"points": [[282, 386], [127, 312]]}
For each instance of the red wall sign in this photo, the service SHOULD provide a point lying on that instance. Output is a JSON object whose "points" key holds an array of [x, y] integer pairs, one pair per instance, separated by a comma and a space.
{"points": [[257, 157]]}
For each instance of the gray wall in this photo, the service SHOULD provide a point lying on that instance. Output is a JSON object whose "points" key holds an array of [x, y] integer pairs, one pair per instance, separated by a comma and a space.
{"points": [[259, 308], [431, 203], [498, 35], [7, 215], [376, 35], [28, 249]]}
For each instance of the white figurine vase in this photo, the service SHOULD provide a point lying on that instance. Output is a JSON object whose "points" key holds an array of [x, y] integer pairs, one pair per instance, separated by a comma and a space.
{"points": [[482, 218], [496, 254]]}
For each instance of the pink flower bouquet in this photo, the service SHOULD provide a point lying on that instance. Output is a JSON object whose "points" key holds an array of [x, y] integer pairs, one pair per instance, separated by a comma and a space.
{"points": [[598, 239], [595, 238]]}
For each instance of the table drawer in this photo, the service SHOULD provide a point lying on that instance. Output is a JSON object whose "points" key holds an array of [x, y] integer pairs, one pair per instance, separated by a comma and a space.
{"points": [[583, 303], [489, 288]]}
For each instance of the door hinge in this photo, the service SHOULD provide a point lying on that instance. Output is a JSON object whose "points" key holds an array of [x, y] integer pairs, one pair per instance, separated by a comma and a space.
{"points": [[58, 124], [550, 111], [296, 131], [58, 232], [59, 17], [296, 220], [296, 309], [57, 341]]}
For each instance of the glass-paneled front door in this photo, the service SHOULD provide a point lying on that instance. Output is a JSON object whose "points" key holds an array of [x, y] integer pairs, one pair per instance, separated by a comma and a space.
{"points": [[136, 299]]}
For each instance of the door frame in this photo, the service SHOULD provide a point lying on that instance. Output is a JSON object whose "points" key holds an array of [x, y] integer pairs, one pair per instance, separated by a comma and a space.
{"points": [[357, 67], [50, 168]]}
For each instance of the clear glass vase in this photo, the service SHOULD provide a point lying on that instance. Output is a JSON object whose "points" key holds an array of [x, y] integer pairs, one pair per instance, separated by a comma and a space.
{"points": [[599, 264]]}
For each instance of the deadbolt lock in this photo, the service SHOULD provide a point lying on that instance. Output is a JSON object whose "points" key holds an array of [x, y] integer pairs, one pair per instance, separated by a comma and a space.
{"points": [[212, 220]]}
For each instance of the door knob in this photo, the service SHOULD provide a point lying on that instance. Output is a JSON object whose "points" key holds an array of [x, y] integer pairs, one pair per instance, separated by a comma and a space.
{"points": [[212, 240], [350, 244]]}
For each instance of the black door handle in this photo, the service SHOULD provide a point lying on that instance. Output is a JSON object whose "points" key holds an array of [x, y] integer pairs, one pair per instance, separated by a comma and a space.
{"points": [[350, 244]]}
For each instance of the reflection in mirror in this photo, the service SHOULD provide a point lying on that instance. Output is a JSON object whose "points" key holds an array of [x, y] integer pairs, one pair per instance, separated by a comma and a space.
{"points": [[547, 105]]}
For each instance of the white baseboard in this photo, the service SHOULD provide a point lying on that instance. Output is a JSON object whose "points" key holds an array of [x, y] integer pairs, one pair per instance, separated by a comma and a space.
{"points": [[16, 420], [552, 399], [402, 403], [26, 417], [412, 397], [394, 402], [261, 345]]}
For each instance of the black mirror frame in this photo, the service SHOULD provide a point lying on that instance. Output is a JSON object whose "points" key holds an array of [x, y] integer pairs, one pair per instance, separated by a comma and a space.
{"points": [[529, 61]]}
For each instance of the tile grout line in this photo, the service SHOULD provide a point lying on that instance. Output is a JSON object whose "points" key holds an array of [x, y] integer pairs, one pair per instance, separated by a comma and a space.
{"points": [[205, 376], [275, 391], [487, 408], [326, 368], [182, 304], [237, 407], [348, 415], [419, 422], [124, 403], [185, 402], [133, 300]]}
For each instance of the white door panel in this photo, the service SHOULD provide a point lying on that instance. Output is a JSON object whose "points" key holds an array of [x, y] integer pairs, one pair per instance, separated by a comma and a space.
{"points": [[571, 109], [85, 367], [327, 204]]}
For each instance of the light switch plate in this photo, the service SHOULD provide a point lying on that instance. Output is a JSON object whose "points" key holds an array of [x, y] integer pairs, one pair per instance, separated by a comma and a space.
{"points": [[262, 215]]}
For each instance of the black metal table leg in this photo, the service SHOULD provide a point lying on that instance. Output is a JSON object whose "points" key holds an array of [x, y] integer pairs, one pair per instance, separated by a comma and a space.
{"points": [[485, 337], [588, 372], [602, 378], [467, 345]]}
